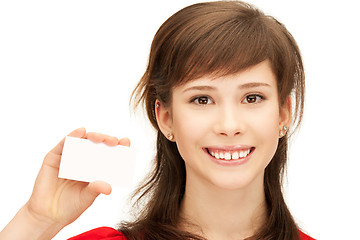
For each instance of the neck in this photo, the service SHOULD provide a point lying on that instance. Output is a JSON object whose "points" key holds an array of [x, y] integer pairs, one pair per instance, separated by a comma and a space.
{"points": [[217, 213]]}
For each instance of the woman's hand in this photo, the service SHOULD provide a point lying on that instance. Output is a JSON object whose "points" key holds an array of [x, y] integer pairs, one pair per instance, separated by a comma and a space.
{"points": [[62, 200], [57, 202]]}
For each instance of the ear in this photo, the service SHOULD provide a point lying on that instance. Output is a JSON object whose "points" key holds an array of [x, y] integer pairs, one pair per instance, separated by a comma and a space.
{"points": [[164, 119], [285, 113]]}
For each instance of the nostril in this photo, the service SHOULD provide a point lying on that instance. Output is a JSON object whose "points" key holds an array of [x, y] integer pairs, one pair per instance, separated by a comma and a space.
{"points": [[229, 134]]}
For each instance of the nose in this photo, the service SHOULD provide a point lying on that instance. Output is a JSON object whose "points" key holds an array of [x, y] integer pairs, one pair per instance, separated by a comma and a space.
{"points": [[229, 122]]}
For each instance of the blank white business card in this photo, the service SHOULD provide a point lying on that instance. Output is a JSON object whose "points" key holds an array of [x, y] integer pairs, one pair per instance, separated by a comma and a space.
{"points": [[84, 160]]}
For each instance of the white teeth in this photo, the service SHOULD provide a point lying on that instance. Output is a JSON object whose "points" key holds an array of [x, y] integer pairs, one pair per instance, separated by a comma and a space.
{"points": [[235, 155], [228, 155]]}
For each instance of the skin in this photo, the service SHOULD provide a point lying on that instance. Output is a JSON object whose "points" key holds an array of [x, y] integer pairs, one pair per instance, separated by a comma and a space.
{"points": [[218, 198], [240, 110], [55, 202]]}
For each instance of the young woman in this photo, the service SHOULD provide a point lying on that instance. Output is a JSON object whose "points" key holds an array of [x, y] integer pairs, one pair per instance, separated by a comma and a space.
{"points": [[223, 85]]}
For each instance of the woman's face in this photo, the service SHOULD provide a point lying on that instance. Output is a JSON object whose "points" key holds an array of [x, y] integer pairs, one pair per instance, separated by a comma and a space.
{"points": [[226, 129]]}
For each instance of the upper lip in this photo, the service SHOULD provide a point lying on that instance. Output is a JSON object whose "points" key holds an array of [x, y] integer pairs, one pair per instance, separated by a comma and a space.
{"points": [[229, 147]]}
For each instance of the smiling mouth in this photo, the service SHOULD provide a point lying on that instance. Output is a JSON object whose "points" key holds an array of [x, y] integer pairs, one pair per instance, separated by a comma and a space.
{"points": [[229, 154]]}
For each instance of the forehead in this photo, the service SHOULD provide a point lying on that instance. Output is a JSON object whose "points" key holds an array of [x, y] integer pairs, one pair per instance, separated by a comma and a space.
{"points": [[260, 73]]}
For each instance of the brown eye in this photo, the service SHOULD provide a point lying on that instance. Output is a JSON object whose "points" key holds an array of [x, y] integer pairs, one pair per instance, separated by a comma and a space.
{"points": [[253, 98], [203, 100]]}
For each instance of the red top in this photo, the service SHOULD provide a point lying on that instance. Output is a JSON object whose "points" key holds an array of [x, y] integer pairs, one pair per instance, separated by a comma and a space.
{"points": [[107, 233]]}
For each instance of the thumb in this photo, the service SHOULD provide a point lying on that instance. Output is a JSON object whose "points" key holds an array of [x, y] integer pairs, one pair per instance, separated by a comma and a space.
{"points": [[93, 190], [98, 187]]}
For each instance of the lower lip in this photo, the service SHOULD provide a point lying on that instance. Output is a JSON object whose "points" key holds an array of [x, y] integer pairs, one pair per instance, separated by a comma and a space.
{"points": [[231, 162]]}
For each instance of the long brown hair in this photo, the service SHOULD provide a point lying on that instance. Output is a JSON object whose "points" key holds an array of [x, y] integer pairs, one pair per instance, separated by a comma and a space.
{"points": [[217, 38]]}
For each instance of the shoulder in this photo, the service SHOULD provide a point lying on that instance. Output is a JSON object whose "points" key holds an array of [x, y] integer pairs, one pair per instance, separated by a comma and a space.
{"points": [[303, 236], [102, 233]]}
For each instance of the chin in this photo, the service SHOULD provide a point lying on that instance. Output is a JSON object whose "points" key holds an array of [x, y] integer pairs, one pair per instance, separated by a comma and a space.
{"points": [[237, 182]]}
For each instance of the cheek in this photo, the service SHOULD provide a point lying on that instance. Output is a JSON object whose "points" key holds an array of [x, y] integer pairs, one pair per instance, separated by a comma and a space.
{"points": [[266, 130], [188, 125], [190, 129], [267, 120]]}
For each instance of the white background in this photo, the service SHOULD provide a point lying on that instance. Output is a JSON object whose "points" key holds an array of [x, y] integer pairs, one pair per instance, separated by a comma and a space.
{"points": [[67, 64]]}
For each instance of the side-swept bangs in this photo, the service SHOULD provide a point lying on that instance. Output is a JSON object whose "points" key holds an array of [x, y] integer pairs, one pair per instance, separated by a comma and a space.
{"points": [[219, 39], [213, 39]]}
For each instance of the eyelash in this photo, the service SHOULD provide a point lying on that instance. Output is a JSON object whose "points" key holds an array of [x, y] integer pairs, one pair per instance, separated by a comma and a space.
{"points": [[259, 98], [193, 100]]}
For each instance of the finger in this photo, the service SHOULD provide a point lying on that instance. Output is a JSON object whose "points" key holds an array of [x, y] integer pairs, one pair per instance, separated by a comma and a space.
{"points": [[125, 142], [92, 190], [98, 187], [80, 132], [102, 138]]}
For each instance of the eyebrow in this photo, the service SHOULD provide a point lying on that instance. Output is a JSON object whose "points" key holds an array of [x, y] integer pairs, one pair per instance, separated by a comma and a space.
{"points": [[242, 86], [254, 85]]}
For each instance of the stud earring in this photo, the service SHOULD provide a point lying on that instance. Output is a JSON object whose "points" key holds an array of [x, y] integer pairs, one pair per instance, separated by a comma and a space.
{"points": [[170, 136], [157, 105], [283, 131]]}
